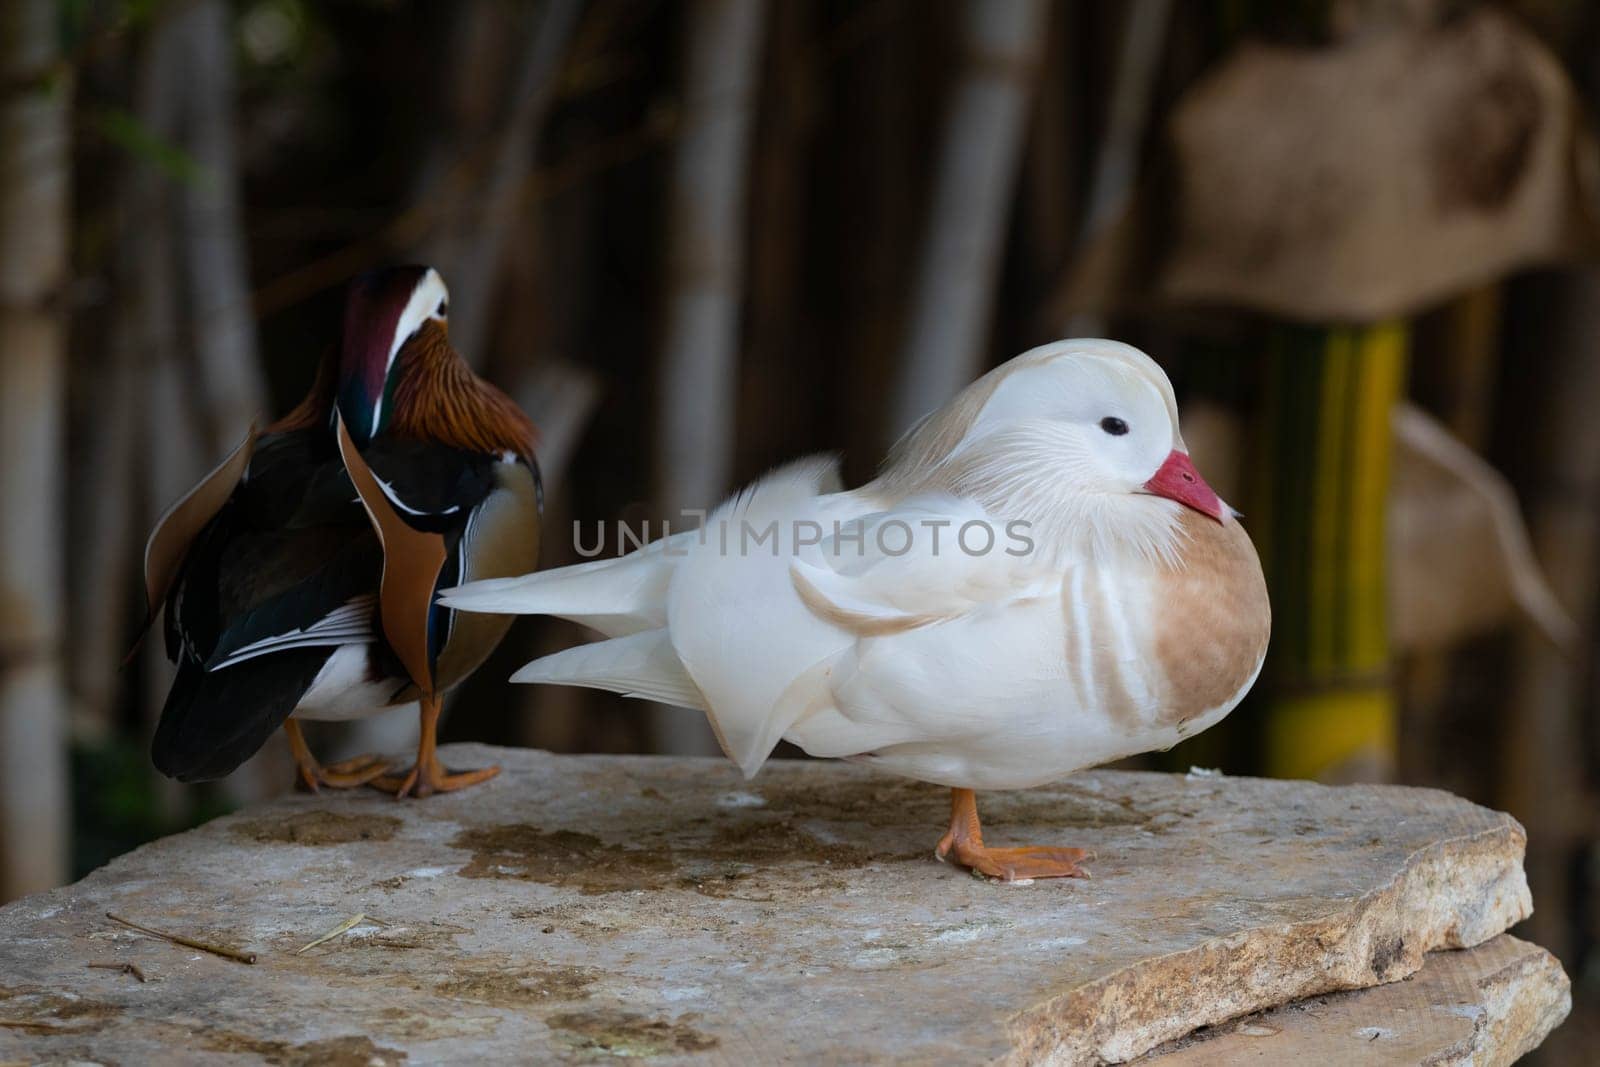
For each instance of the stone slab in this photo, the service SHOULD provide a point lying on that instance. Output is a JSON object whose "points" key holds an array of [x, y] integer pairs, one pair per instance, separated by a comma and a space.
{"points": [[580, 908], [1483, 1007]]}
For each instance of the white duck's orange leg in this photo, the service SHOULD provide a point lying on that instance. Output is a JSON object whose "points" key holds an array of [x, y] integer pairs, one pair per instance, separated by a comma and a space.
{"points": [[963, 844], [429, 775], [346, 774]]}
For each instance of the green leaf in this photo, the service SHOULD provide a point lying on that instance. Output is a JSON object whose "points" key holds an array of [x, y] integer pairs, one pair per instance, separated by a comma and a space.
{"points": [[128, 133]]}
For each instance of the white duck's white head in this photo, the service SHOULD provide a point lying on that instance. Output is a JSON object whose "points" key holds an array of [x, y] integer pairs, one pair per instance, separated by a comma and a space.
{"points": [[1081, 435]]}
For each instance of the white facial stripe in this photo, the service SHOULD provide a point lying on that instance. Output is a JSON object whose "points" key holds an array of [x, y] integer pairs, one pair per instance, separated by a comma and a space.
{"points": [[394, 498], [426, 299]]}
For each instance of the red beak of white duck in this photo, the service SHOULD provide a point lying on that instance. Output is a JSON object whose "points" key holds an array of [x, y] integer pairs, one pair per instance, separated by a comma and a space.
{"points": [[1178, 480]]}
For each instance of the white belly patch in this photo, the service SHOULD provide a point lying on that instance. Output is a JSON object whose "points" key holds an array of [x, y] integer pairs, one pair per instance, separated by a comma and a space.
{"points": [[341, 690]]}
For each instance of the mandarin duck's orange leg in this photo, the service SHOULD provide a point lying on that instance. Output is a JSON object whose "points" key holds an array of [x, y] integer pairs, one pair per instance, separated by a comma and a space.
{"points": [[346, 774], [429, 775], [963, 844]]}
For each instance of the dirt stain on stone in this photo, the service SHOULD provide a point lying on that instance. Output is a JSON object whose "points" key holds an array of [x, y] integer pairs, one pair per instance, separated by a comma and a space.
{"points": [[518, 987], [626, 1033], [318, 828], [779, 841], [724, 885], [355, 953], [408, 1024], [874, 801], [1386, 953], [1060, 806], [352, 1050], [562, 857], [712, 868], [42, 1011]]}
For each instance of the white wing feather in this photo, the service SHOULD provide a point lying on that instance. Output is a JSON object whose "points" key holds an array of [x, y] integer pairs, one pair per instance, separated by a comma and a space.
{"points": [[615, 596], [639, 665], [862, 579], [349, 624]]}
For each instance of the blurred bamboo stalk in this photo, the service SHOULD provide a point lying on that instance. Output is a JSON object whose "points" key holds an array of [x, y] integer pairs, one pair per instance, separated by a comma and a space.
{"points": [[559, 397], [975, 175], [1320, 524], [775, 407], [174, 438], [705, 281], [873, 164], [101, 531], [469, 94], [470, 258], [556, 261], [1468, 346], [189, 103], [215, 274], [1051, 197], [1116, 166], [170, 441], [1543, 780], [35, 147]]}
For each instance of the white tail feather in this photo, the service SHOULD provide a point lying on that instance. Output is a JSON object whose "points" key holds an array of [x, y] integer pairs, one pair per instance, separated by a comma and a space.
{"points": [[638, 665], [617, 597]]}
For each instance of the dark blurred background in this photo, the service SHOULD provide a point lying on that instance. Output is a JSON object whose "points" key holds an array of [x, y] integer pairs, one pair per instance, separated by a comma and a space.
{"points": [[697, 239]]}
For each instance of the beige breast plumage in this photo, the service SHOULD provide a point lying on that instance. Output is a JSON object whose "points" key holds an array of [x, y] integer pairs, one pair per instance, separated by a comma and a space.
{"points": [[1211, 618]]}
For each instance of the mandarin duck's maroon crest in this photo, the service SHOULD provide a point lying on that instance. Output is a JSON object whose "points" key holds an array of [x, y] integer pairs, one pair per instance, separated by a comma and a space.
{"points": [[299, 577]]}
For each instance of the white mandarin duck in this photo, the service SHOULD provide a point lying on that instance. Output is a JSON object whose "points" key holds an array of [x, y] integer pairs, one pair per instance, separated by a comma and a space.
{"points": [[1038, 581]]}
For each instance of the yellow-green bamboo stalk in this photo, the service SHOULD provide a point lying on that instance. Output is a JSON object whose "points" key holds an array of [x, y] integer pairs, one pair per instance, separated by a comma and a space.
{"points": [[1324, 465]]}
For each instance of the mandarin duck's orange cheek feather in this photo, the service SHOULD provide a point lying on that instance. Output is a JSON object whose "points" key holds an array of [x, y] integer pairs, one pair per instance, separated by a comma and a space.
{"points": [[307, 589], [438, 398]]}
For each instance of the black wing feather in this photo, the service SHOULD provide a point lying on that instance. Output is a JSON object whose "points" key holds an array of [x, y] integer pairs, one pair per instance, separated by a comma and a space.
{"points": [[215, 720], [289, 547]]}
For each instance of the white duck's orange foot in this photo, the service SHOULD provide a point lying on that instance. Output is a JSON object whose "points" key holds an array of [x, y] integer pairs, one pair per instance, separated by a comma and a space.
{"points": [[963, 844], [1018, 864]]}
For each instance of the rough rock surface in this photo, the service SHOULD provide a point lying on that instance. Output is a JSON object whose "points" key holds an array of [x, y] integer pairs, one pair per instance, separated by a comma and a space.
{"points": [[585, 907], [1485, 1006]]}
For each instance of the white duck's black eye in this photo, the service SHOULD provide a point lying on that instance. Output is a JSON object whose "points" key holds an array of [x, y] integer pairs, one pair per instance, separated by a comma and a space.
{"points": [[1113, 426], [444, 308]]}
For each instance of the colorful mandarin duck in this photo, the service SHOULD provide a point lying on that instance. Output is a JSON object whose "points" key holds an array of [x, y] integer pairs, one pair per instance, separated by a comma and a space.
{"points": [[299, 577], [1038, 581]]}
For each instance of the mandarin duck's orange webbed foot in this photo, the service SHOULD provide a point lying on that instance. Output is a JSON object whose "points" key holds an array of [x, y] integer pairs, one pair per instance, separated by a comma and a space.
{"points": [[427, 779], [963, 844], [346, 774], [429, 776]]}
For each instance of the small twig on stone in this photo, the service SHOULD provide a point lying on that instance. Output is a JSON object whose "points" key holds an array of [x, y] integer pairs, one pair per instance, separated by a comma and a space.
{"points": [[343, 928], [188, 942], [125, 968], [24, 1024]]}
